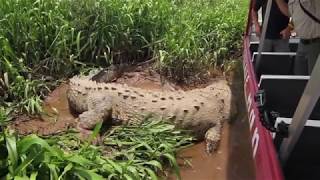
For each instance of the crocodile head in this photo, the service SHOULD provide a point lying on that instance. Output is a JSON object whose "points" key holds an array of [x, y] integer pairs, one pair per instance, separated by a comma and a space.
{"points": [[77, 101]]}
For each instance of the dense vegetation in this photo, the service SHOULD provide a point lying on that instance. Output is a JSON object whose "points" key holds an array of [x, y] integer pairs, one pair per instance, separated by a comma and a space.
{"points": [[129, 152], [44, 41]]}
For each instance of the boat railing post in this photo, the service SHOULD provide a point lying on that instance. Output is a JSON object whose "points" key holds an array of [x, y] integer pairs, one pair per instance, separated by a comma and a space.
{"points": [[263, 33], [302, 113]]}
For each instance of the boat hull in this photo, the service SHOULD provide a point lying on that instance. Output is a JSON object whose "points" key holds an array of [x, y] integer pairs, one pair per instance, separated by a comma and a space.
{"points": [[267, 166]]}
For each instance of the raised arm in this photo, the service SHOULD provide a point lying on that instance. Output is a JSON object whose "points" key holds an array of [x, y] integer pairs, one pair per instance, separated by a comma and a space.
{"points": [[283, 6]]}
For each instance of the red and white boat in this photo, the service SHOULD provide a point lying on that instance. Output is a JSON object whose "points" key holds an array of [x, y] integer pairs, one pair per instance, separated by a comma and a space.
{"points": [[283, 111]]}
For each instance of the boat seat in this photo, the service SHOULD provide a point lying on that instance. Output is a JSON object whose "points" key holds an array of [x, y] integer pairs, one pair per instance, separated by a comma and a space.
{"points": [[274, 63], [254, 44], [305, 153], [283, 92]]}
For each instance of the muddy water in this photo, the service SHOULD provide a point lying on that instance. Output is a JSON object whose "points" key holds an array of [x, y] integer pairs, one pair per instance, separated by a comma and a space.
{"points": [[231, 161]]}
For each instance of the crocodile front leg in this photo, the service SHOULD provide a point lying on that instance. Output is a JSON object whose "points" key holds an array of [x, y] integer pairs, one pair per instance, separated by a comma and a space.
{"points": [[99, 110], [212, 138]]}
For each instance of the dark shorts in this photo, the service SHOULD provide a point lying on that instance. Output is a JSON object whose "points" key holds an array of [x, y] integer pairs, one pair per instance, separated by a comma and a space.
{"points": [[306, 57]]}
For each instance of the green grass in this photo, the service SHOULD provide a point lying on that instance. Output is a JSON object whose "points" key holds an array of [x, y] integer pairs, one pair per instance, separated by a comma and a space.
{"points": [[128, 152], [52, 39], [59, 36]]}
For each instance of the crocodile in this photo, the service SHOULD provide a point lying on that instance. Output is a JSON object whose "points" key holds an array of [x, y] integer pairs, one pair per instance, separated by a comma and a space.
{"points": [[200, 111]]}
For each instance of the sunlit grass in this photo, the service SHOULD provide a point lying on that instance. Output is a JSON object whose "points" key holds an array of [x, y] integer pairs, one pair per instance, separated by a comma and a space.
{"points": [[128, 152], [53, 39]]}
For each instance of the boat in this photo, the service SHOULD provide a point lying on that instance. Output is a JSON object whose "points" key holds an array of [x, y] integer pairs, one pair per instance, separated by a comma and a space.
{"points": [[283, 110]]}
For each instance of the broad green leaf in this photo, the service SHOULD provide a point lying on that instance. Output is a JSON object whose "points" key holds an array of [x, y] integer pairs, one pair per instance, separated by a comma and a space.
{"points": [[87, 174], [133, 171], [107, 167], [12, 150], [65, 170], [151, 173], [21, 178], [34, 175], [75, 158], [25, 163], [115, 165], [53, 171], [127, 177], [174, 163], [154, 163], [30, 140]]}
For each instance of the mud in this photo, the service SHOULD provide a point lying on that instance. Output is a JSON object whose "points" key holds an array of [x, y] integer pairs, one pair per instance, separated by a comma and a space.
{"points": [[232, 160], [55, 119]]}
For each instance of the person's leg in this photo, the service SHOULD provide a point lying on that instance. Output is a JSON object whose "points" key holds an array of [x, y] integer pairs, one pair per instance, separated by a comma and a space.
{"points": [[313, 51], [300, 61], [281, 45]]}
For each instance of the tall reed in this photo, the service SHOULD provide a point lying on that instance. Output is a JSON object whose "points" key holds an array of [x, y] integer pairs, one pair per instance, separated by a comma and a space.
{"points": [[50, 39]]}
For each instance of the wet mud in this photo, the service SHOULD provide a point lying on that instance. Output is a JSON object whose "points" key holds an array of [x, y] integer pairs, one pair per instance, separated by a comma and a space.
{"points": [[231, 161], [56, 118]]}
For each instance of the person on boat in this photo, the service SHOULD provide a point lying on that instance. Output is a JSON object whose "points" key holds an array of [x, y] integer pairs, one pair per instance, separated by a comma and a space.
{"points": [[278, 31], [306, 19]]}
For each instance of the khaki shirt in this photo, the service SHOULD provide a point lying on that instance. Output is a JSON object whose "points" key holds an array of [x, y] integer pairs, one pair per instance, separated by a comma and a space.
{"points": [[304, 25]]}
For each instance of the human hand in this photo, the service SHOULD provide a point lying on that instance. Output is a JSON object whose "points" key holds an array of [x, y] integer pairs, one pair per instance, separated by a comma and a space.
{"points": [[285, 33]]}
